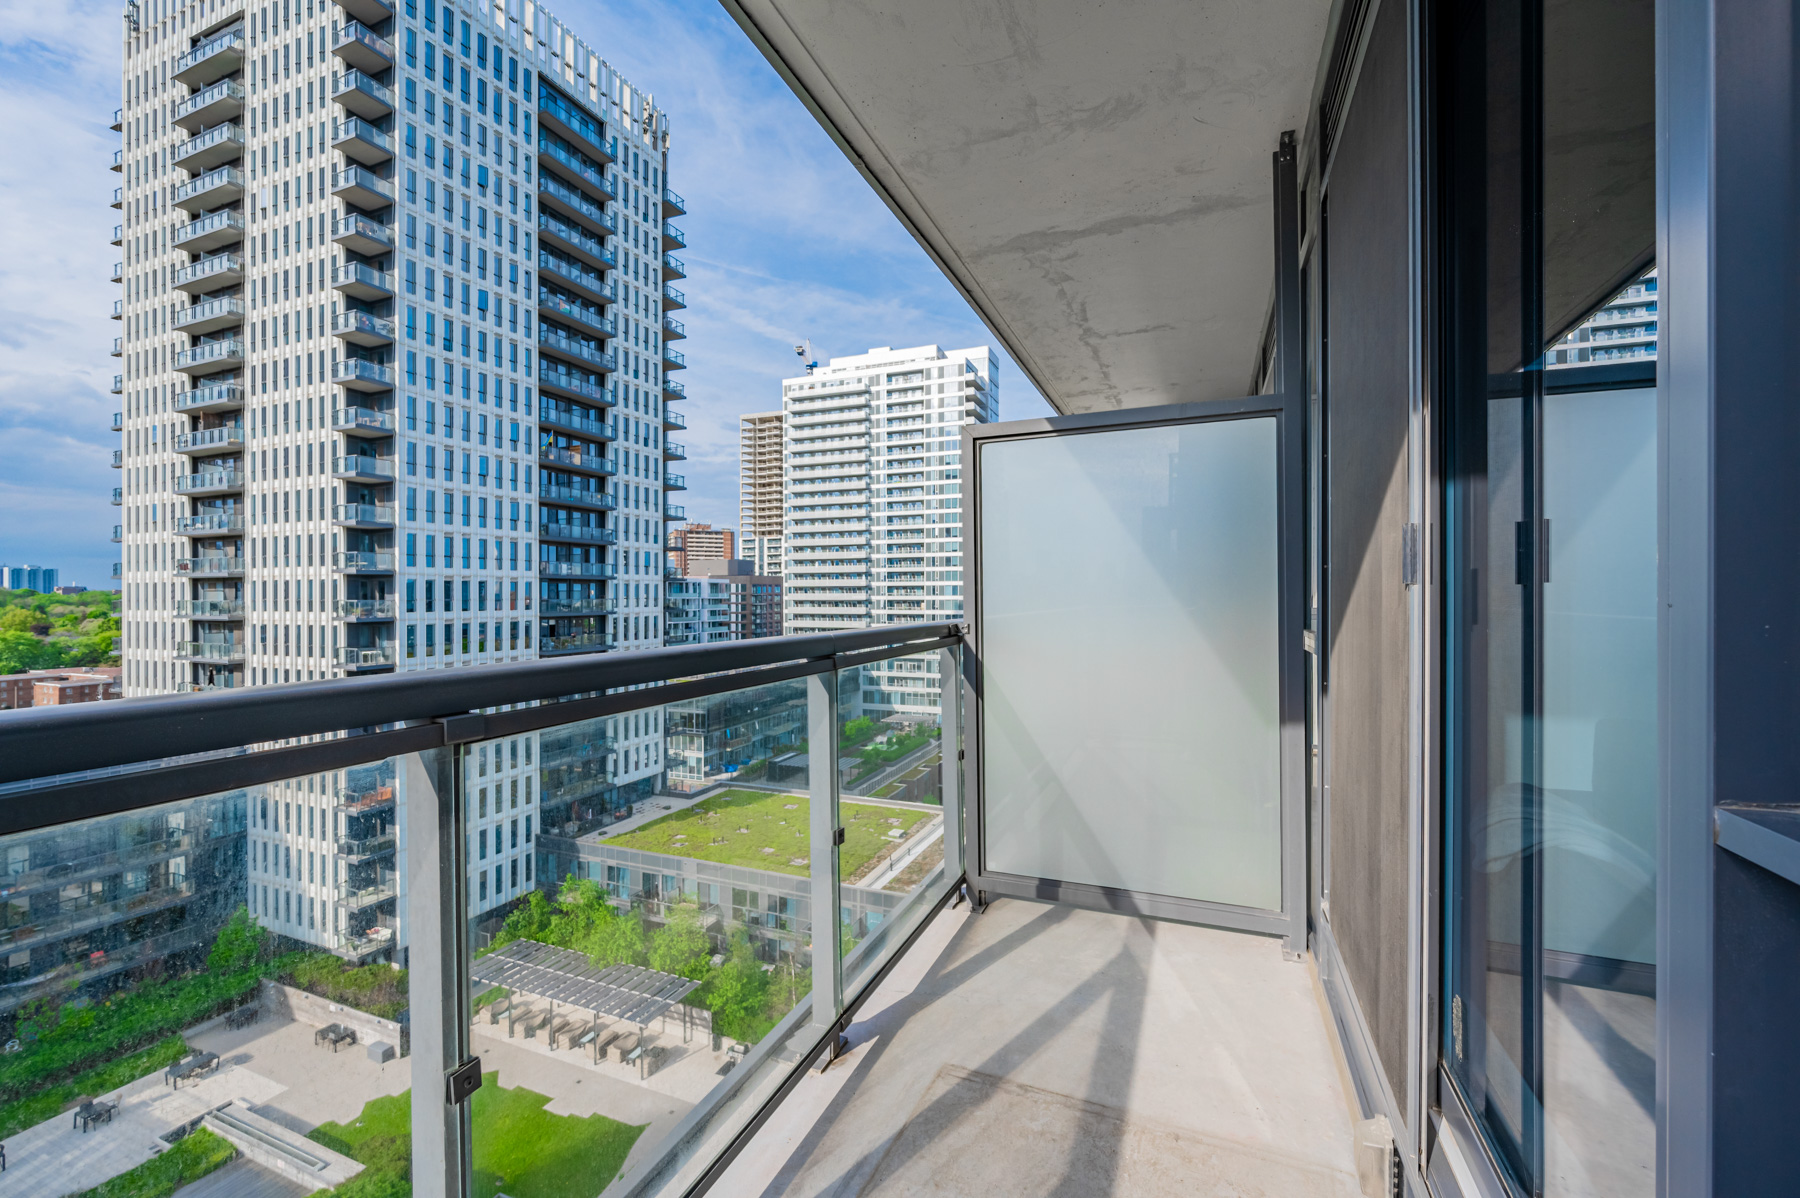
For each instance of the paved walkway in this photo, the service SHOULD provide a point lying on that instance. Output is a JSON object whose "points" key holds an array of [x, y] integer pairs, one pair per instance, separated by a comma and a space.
{"points": [[53, 1158]]}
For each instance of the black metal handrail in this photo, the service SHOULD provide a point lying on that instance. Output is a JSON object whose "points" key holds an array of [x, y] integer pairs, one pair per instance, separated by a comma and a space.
{"points": [[79, 761]]}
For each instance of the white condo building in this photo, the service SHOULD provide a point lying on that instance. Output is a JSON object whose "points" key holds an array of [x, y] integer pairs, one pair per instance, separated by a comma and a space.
{"points": [[872, 497], [396, 370]]}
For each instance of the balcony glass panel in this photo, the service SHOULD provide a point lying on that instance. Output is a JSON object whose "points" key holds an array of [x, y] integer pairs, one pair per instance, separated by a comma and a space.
{"points": [[170, 960], [1207, 732]]}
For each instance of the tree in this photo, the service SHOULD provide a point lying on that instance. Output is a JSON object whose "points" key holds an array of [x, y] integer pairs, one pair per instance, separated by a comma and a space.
{"points": [[617, 941], [238, 946], [20, 651], [681, 945], [738, 991]]}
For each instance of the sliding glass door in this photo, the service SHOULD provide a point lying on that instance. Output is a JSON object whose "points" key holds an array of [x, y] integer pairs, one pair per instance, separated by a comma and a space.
{"points": [[1549, 1008]]}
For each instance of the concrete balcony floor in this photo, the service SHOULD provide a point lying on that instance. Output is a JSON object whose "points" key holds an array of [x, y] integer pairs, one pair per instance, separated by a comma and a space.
{"points": [[1037, 1050]]}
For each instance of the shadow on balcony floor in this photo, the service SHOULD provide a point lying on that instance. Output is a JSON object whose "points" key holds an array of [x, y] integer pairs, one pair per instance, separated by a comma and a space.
{"points": [[1038, 1050]]}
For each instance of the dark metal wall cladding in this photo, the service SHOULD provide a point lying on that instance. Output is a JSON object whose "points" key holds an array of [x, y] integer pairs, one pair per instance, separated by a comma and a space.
{"points": [[1367, 383]]}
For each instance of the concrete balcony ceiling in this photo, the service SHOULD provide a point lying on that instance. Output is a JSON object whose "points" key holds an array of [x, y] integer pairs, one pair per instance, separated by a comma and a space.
{"points": [[1111, 226]]}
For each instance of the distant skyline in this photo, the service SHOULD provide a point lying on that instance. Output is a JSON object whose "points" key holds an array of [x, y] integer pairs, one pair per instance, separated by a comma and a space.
{"points": [[787, 245]]}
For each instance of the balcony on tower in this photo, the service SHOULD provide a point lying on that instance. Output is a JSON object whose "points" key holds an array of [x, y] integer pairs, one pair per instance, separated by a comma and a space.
{"points": [[211, 60], [211, 232], [211, 274], [362, 422], [362, 235], [362, 49], [362, 468], [362, 328], [360, 374], [225, 438], [362, 142], [362, 187], [362, 281], [211, 315], [207, 357], [210, 105], [217, 187], [213, 147], [360, 94]]}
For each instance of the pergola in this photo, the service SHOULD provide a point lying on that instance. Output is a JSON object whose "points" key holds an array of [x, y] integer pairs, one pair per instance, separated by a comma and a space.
{"points": [[628, 993]]}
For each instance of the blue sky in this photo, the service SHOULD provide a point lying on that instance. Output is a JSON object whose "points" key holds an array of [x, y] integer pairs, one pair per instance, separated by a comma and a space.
{"points": [[785, 244]]}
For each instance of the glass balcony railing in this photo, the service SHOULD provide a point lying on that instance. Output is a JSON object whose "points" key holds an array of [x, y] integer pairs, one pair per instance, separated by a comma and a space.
{"points": [[218, 266], [575, 237], [218, 186], [209, 396], [702, 983], [362, 466], [588, 533], [359, 277], [361, 373], [362, 187], [222, 479], [210, 609], [209, 524], [572, 160], [224, 92], [365, 233], [673, 358], [673, 267], [218, 565], [575, 273], [672, 203], [361, 48], [223, 310], [362, 95], [210, 440], [674, 511], [673, 298], [363, 421], [365, 609], [578, 122], [550, 185], [571, 382], [370, 143], [363, 514], [551, 339], [672, 418], [362, 325], [575, 459], [210, 354], [363, 562], [212, 59], [568, 418], [585, 315], [559, 493], [220, 143], [673, 238], [555, 569], [210, 650]]}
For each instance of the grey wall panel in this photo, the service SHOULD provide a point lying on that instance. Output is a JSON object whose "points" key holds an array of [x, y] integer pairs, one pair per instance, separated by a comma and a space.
{"points": [[1367, 380]]}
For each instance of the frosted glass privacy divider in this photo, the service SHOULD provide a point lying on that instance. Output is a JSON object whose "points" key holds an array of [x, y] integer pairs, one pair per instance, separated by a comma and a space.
{"points": [[1128, 617]]}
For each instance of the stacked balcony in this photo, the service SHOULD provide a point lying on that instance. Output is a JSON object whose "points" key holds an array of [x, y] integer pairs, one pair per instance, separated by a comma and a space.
{"points": [[363, 413]]}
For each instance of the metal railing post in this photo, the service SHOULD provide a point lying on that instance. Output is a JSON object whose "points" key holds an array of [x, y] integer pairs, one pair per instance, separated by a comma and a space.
{"points": [[436, 938], [950, 745], [822, 774]]}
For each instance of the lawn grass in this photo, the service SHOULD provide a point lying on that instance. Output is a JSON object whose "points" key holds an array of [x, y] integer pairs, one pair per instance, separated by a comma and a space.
{"points": [[189, 1159], [520, 1149], [733, 828], [51, 1101]]}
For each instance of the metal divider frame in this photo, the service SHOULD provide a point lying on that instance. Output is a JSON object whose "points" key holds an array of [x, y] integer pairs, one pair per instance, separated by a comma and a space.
{"points": [[1287, 405]]}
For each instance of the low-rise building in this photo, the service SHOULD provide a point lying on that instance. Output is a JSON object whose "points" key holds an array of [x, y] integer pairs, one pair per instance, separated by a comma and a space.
{"points": [[53, 688]]}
